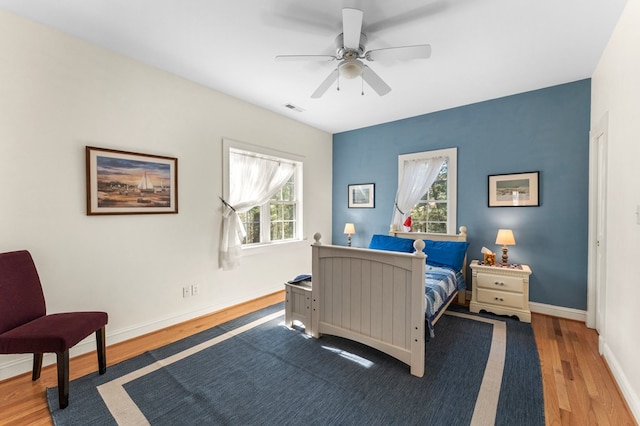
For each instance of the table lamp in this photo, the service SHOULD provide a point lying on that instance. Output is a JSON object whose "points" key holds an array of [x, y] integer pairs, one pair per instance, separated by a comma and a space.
{"points": [[506, 238], [349, 229]]}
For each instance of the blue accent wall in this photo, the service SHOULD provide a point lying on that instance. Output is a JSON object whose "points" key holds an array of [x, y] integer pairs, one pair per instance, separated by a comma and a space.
{"points": [[545, 130]]}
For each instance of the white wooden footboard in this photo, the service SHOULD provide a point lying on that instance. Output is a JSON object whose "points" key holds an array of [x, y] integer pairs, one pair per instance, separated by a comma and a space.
{"points": [[373, 297]]}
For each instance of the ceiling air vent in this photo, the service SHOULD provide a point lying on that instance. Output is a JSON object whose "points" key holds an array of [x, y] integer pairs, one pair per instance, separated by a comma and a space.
{"points": [[293, 107]]}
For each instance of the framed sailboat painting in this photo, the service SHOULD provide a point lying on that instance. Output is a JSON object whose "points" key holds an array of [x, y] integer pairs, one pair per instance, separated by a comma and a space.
{"points": [[121, 182]]}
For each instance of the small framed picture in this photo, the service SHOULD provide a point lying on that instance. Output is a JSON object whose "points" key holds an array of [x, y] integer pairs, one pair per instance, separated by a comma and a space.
{"points": [[120, 182], [362, 195], [514, 190]]}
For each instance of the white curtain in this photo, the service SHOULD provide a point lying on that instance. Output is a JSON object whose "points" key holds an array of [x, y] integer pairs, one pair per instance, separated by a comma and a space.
{"points": [[417, 178], [253, 180]]}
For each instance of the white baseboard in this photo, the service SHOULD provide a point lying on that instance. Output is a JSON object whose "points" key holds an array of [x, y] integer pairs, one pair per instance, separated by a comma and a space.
{"points": [[623, 383], [558, 311], [23, 363], [552, 310]]}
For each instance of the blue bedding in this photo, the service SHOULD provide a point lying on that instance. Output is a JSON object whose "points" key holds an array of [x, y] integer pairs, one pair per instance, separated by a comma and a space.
{"points": [[441, 284]]}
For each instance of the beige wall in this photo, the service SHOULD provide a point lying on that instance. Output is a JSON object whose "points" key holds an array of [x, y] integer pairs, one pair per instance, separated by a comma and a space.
{"points": [[616, 93], [57, 95]]}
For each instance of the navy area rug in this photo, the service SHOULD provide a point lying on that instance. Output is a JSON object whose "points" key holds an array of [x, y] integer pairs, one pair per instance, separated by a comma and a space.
{"points": [[480, 369]]}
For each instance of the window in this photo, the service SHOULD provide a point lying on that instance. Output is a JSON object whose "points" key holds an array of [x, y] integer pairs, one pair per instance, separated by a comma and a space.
{"points": [[430, 214], [436, 211], [279, 214], [279, 219], [282, 212]]}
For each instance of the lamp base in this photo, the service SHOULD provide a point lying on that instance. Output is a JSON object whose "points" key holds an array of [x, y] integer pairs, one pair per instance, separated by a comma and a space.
{"points": [[505, 258]]}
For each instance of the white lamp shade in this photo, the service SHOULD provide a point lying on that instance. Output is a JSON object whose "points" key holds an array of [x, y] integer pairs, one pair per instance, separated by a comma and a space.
{"points": [[350, 68], [349, 228], [505, 237]]}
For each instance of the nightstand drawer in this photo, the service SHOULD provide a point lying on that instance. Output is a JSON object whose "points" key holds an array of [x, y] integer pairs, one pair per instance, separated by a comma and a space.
{"points": [[500, 298], [501, 283]]}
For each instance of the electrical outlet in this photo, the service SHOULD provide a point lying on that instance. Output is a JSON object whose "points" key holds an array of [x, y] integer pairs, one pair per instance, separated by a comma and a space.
{"points": [[186, 291], [195, 289]]}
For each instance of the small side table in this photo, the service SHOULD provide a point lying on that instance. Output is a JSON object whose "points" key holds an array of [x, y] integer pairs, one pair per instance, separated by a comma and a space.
{"points": [[298, 304], [501, 290]]}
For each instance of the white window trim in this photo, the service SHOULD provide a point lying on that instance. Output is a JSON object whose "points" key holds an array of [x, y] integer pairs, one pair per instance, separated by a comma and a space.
{"points": [[227, 146], [451, 154]]}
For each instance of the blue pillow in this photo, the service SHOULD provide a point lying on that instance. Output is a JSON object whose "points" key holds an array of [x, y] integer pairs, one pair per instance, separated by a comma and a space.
{"points": [[446, 253], [386, 242]]}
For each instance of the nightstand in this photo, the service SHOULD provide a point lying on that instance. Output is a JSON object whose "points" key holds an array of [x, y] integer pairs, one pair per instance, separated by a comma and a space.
{"points": [[501, 290], [298, 305]]}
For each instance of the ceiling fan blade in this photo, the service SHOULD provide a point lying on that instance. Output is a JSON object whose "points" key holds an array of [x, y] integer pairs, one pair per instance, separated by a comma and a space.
{"points": [[399, 53], [317, 58], [351, 28], [375, 81], [324, 86]]}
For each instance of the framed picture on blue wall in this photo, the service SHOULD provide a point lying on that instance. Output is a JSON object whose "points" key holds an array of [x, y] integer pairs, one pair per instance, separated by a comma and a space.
{"points": [[514, 190], [362, 195]]}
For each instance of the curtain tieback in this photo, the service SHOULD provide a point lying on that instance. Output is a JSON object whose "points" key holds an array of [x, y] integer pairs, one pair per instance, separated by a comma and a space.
{"points": [[227, 204], [398, 208]]}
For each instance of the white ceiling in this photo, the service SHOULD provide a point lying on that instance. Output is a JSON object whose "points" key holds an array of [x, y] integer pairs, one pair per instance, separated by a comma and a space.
{"points": [[481, 49]]}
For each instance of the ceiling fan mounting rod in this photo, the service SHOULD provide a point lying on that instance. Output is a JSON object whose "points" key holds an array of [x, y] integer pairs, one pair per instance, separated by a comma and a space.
{"points": [[345, 53]]}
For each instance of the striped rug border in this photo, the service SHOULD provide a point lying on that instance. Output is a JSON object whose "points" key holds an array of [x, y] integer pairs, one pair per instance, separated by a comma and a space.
{"points": [[125, 411]]}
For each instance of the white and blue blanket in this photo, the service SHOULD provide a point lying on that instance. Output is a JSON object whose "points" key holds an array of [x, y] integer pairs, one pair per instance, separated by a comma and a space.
{"points": [[441, 284]]}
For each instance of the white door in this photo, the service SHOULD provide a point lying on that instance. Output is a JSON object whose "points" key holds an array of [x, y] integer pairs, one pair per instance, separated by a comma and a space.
{"points": [[596, 292]]}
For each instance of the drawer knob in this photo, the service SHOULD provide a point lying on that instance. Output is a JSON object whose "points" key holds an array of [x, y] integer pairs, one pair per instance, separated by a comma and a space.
{"points": [[499, 299], [498, 283]]}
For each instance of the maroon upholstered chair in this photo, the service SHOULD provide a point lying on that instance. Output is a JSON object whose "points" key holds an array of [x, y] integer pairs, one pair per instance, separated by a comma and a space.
{"points": [[26, 328]]}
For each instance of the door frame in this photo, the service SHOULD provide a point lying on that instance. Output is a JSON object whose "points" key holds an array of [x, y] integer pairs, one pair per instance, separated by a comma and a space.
{"points": [[596, 273]]}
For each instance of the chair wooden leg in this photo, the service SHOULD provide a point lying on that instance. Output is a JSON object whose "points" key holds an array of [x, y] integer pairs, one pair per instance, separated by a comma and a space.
{"points": [[37, 367], [63, 378], [101, 349]]}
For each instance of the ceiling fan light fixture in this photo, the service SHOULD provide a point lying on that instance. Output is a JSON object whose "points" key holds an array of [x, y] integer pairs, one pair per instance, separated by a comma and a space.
{"points": [[351, 68]]}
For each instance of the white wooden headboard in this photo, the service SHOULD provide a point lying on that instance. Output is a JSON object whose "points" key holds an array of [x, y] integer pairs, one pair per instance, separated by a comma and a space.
{"points": [[462, 236]]}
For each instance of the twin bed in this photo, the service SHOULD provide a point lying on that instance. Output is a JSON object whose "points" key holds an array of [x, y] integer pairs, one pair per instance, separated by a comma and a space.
{"points": [[387, 297]]}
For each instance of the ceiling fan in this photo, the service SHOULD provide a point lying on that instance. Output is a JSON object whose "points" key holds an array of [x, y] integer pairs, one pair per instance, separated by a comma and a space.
{"points": [[350, 51]]}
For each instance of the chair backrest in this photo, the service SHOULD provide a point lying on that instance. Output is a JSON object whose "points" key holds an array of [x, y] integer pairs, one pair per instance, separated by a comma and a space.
{"points": [[21, 297]]}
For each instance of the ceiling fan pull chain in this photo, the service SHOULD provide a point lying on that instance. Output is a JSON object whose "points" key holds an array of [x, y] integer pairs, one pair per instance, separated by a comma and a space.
{"points": [[362, 82], [338, 85]]}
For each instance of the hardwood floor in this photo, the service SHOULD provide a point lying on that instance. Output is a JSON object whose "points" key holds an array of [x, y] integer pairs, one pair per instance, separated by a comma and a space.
{"points": [[578, 387]]}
